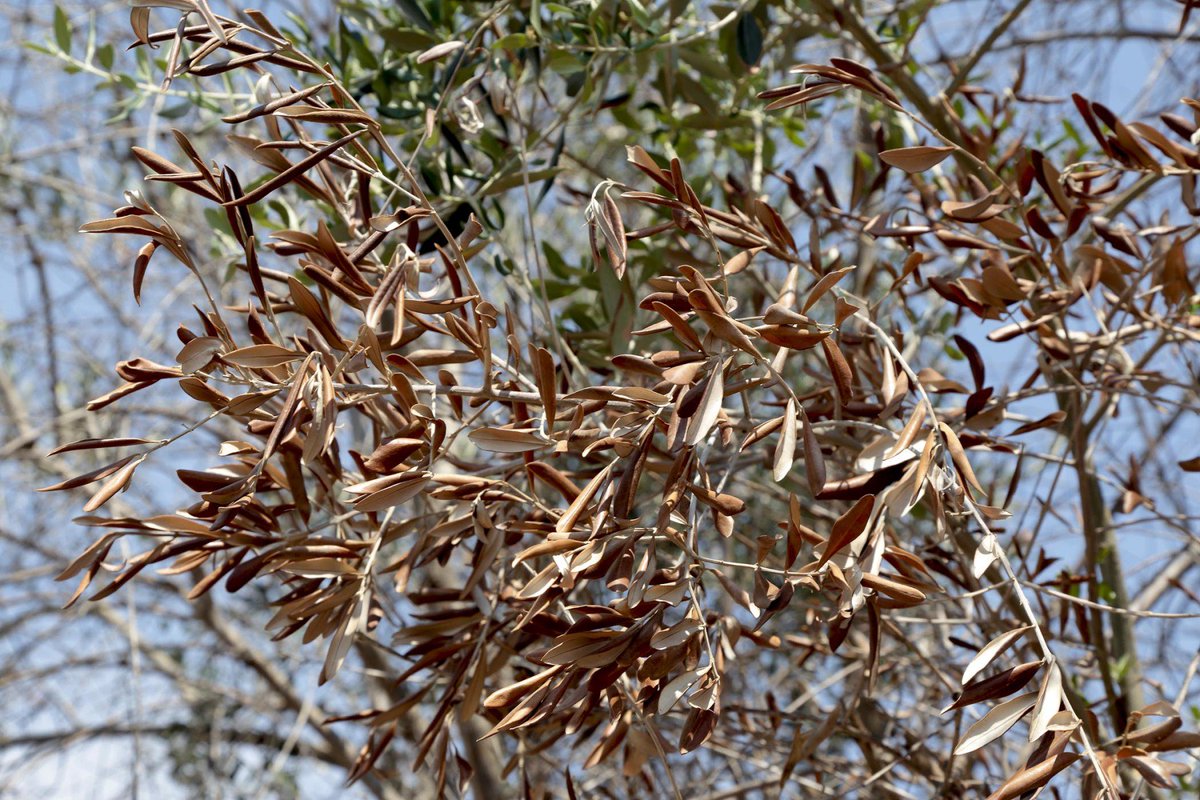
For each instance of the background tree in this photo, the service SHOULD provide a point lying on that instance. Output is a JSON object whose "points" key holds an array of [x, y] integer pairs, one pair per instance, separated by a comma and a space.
{"points": [[750, 473]]}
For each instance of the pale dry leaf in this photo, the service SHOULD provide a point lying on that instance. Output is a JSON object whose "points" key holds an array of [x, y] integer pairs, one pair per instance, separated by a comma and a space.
{"points": [[710, 406], [440, 51], [507, 440], [1049, 700], [785, 450], [989, 651], [995, 723]]}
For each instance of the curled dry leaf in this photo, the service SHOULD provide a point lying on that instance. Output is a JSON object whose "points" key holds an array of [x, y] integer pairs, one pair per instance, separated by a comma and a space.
{"points": [[139, 268], [915, 159], [959, 457], [89, 477], [725, 503], [440, 51], [785, 450], [839, 367], [98, 444], [899, 592], [1001, 684], [1030, 778], [710, 405], [261, 356], [578, 506], [117, 482], [792, 338], [507, 440], [392, 490], [848, 527]]}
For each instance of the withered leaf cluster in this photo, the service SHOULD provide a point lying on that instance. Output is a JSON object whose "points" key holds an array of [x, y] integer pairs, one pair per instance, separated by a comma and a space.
{"points": [[609, 553]]}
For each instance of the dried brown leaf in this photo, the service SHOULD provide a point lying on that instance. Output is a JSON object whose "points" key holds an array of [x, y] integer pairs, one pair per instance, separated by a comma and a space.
{"points": [[915, 159]]}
